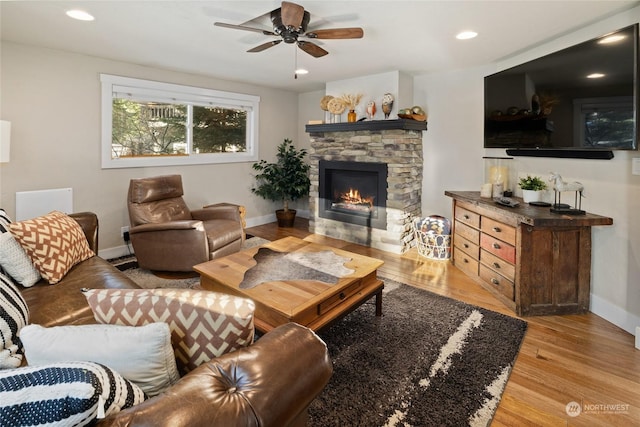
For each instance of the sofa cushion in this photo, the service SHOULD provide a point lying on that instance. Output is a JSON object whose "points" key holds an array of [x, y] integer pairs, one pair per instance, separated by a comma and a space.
{"points": [[64, 394], [203, 324], [143, 355], [13, 258], [55, 242], [14, 315]]}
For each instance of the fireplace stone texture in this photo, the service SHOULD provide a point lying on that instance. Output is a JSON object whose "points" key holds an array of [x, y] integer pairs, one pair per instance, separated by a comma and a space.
{"points": [[401, 150]]}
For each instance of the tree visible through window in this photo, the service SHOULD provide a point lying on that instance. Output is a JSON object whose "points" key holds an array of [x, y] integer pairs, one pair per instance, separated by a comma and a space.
{"points": [[149, 122]]}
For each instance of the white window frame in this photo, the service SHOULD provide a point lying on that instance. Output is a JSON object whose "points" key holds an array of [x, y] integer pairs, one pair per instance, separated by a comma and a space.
{"points": [[189, 95]]}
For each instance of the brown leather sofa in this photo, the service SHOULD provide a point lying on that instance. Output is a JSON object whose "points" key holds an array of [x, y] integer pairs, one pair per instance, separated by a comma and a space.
{"points": [[270, 383], [167, 236]]}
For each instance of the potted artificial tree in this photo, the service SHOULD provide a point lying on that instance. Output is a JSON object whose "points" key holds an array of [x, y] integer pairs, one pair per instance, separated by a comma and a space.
{"points": [[285, 180], [532, 188]]}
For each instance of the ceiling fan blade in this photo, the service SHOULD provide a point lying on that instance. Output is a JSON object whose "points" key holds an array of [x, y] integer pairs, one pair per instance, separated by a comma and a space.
{"points": [[336, 33], [244, 28], [312, 49], [292, 14], [265, 46]]}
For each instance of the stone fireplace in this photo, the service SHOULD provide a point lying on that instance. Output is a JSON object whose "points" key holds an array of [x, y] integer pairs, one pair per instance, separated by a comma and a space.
{"points": [[366, 181]]}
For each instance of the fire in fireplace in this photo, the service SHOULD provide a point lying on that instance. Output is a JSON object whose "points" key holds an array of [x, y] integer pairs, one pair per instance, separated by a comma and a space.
{"points": [[353, 192]]}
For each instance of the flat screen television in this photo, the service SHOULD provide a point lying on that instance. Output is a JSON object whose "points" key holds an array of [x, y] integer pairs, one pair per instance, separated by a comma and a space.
{"points": [[582, 101]]}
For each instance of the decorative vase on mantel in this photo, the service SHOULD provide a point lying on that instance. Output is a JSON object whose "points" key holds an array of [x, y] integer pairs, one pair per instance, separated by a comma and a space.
{"points": [[532, 195], [351, 116]]}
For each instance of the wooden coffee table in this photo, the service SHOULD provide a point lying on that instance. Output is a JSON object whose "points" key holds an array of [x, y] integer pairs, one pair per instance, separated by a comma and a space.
{"points": [[310, 303]]}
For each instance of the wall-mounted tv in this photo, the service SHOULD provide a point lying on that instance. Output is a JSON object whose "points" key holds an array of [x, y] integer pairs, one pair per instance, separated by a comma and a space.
{"points": [[582, 101]]}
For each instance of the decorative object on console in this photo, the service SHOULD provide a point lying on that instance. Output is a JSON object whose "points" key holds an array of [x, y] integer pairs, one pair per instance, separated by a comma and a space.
{"points": [[560, 186], [497, 173], [532, 188], [387, 104], [285, 180]]}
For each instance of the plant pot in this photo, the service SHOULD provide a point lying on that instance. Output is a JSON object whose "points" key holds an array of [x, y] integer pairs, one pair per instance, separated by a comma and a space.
{"points": [[286, 218], [531, 196]]}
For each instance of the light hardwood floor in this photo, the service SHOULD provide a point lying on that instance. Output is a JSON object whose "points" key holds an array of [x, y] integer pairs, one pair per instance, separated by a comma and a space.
{"points": [[563, 359]]}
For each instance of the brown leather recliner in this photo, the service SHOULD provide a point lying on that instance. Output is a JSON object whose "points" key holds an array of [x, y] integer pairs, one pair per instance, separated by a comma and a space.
{"points": [[167, 236]]}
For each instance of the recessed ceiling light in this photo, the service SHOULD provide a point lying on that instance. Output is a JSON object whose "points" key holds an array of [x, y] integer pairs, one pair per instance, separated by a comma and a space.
{"points": [[466, 35], [80, 15], [595, 76], [611, 39]]}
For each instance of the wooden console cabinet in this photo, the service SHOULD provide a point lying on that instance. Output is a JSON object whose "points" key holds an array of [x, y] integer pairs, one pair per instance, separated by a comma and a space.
{"points": [[536, 262]]}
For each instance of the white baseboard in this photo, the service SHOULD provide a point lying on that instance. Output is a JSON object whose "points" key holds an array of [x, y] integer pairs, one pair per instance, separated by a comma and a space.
{"points": [[115, 252], [616, 315]]}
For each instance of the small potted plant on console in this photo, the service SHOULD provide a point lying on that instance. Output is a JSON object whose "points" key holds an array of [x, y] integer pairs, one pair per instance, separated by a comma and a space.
{"points": [[285, 180], [532, 188]]}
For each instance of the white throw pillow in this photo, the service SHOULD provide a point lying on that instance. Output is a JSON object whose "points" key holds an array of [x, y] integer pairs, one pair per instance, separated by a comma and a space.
{"points": [[15, 261], [142, 354]]}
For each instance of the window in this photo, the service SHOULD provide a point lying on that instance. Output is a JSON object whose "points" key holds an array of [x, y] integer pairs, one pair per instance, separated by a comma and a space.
{"points": [[147, 123]]}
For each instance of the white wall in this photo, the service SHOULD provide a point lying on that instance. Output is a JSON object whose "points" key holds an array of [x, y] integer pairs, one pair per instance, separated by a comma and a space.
{"points": [[52, 99]]}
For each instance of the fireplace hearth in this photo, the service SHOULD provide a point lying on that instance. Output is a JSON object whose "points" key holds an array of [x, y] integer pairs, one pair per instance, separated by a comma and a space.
{"points": [[353, 192]]}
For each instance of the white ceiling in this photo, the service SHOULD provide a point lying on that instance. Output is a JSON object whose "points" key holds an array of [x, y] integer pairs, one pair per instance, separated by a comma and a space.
{"points": [[412, 36]]}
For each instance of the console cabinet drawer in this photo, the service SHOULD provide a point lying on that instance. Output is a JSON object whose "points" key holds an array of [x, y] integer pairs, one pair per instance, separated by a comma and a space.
{"points": [[500, 283], [465, 263], [468, 217], [499, 248], [498, 265], [504, 232], [466, 246], [466, 232]]}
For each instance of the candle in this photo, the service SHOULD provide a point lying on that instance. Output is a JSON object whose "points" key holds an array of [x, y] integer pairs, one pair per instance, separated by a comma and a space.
{"points": [[499, 174], [485, 190]]}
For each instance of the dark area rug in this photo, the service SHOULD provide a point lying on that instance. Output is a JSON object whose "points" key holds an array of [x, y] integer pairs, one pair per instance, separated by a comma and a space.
{"points": [[428, 361]]}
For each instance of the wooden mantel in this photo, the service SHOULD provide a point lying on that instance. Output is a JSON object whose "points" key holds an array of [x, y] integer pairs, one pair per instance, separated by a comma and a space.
{"points": [[368, 125]]}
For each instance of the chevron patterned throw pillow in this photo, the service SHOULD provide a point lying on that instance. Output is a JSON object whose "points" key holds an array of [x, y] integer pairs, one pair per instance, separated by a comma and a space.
{"points": [[55, 242], [203, 324]]}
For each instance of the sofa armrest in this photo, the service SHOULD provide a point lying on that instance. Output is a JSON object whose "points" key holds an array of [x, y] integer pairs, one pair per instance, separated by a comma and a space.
{"points": [[89, 223], [270, 383]]}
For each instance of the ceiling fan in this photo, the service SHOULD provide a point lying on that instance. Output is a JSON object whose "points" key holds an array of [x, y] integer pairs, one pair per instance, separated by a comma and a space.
{"points": [[290, 23]]}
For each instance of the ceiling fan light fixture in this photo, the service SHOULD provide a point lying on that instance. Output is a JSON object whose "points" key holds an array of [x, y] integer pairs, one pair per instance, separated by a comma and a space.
{"points": [[80, 15], [301, 71], [466, 35]]}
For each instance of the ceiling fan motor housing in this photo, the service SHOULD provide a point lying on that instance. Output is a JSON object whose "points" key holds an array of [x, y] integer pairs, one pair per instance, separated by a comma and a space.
{"points": [[288, 34]]}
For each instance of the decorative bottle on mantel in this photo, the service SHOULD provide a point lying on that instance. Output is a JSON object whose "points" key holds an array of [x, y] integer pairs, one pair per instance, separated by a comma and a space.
{"points": [[351, 116]]}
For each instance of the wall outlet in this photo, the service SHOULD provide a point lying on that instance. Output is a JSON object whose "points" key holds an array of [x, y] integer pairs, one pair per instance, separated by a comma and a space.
{"points": [[635, 166], [124, 232]]}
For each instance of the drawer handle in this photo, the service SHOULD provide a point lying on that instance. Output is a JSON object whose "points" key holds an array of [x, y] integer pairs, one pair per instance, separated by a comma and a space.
{"points": [[465, 216], [497, 229], [496, 265], [496, 246], [495, 281], [466, 246], [466, 261], [342, 295]]}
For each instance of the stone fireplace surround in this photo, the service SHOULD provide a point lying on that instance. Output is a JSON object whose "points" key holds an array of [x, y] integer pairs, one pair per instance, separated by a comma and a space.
{"points": [[398, 143]]}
